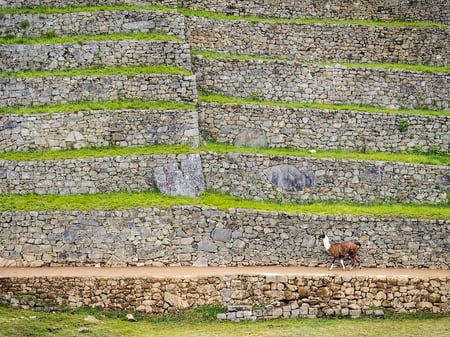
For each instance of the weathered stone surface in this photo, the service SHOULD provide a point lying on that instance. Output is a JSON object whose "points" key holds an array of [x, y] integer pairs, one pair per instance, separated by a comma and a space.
{"points": [[251, 138], [186, 179], [289, 178]]}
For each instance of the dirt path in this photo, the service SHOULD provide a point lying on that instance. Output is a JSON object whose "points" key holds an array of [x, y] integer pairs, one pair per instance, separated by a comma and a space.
{"points": [[189, 272]]}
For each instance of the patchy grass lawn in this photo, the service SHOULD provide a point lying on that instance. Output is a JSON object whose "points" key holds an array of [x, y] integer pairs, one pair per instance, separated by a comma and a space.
{"points": [[18, 323]]}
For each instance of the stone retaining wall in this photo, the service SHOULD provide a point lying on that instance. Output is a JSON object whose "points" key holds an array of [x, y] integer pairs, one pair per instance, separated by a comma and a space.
{"points": [[205, 236], [295, 82], [258, 125], [59, 131], [62, 89], [377, 10], [321, 42], [92, 23], [80, 3], [23, 57], [91, 175], [255, 176], [277, 295], [299, 179]]}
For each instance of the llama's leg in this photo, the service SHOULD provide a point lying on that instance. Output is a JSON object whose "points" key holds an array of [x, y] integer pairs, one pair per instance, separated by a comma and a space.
{"points": [[342, 263], [332, 264]]}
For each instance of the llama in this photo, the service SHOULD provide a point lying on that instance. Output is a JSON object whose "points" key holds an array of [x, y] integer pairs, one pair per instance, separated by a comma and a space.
{"points": [[342, 250]]}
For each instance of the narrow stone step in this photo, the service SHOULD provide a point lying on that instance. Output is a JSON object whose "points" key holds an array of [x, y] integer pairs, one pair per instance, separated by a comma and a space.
{"points": [[255, 125], [60, 56], [296, 82], [321, 42]]}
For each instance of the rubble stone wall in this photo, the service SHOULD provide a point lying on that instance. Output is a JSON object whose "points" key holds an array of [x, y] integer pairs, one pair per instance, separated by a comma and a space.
{"points": [[321, 42], [205, 236], [377, 10], [25, 57], [296, 82], [278, 296], [322, 129], [96, 128]]}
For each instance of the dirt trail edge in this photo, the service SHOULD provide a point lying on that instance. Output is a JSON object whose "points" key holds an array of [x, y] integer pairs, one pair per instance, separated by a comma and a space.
{"points": [[193, 272]]}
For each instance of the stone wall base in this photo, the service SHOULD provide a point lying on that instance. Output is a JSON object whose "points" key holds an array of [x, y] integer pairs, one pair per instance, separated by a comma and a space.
{"points": [[247, 296]]}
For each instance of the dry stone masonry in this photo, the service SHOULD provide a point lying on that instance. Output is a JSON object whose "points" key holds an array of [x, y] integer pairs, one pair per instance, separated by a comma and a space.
{"points": [[263, 177], [80, 3], [95, 128], [376, 10], [296, 82], [273, 296], [207, 236], [259, 125], [299, 179], [24, 57], [62, 89], [92, 23], [322, 42]]}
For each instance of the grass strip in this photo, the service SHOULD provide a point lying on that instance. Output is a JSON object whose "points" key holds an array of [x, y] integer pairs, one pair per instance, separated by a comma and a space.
{"points": [[115, 71], [209, 97], [68, 10], [412, 158], [97, 152], [391, 66], [152, 36], [101, 105], [129, 200], [309, 21]]}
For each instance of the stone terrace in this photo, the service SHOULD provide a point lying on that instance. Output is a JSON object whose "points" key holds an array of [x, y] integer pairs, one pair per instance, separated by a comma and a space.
{"points": [[207, 237]]}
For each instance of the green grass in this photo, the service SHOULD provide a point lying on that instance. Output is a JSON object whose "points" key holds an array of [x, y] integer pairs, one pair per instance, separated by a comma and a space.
{"points": [[101, 105], [66, 10], [129, 200], [98, 152], [309, 21], [116, 71], [413, 158], [21, 323], [222, 99], [152, 36], [391, 66]]}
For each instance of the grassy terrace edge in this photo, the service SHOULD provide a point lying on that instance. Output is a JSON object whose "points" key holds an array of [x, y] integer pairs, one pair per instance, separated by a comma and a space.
{"points": [[219, 16], [97, 152], [96, 71], [129, 200], [98, 105], [66, 10], [151, 36], [391, 66], [211, 97]]}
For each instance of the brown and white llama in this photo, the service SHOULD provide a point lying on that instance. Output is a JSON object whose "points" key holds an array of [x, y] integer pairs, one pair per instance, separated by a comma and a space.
{"points": [[342, 250]]}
